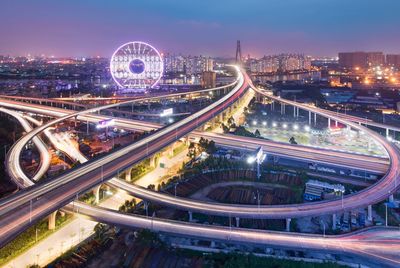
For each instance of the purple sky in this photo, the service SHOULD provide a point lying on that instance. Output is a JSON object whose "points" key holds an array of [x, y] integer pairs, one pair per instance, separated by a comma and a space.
{"points": [[97, 27]]}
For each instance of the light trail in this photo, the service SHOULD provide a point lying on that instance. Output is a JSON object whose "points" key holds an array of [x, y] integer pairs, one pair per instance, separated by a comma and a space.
{"points": [[45, 156]]}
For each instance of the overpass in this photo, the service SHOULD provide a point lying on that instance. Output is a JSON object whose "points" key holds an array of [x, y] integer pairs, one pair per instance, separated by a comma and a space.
{"points": [[39, 200], [375, 165], [320, 207], [379, 245], [46, 203]]}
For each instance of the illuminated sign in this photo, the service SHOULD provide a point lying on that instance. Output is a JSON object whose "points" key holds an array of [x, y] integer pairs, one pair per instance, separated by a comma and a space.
{"points": [[167, 112], [105, 123]]}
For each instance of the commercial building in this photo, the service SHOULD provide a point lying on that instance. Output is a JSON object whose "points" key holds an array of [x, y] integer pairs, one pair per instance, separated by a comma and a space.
{"points": [[317, 190], [335, 95]]}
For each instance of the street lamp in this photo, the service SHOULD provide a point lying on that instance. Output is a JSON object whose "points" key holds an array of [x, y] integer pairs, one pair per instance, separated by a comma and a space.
{"points": [[323, 225], [386, 214], [259, 157], [37, 258], [176, 184], [258, 200]]}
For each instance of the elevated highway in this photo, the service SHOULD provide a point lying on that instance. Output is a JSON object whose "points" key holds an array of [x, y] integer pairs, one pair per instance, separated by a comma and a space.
{"points": [[22, 209], [41, 203], [327, 207], [379, 245], [372, 164]]}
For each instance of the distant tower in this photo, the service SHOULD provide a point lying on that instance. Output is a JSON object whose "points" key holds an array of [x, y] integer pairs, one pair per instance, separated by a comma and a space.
{"points": [[238, 53]]}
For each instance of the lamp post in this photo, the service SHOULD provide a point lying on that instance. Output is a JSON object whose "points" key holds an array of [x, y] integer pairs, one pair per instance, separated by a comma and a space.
{"points": [[386, 215], [258, 158], [176, 184]]}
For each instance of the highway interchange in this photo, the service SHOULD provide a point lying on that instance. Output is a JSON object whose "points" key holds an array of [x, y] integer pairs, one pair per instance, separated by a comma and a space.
{"points": [[49, 196]]}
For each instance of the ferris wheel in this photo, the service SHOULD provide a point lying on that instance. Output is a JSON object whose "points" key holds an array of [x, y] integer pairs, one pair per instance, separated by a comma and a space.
{"points": [[136, 65]]}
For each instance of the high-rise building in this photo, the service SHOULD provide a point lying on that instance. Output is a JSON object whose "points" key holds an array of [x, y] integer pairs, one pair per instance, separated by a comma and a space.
{"points": [[351, 60], [393, 60], [282, 62], [189, 65], [208, 79], [361, 59], [174, 63], [375, 59]]}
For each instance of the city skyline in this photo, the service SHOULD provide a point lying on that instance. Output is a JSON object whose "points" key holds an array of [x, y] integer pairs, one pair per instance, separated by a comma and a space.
{"points": [[97, 28]]}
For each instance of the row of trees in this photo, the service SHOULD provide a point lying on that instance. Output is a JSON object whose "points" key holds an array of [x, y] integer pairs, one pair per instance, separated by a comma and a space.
{"points": [[204, 145]]}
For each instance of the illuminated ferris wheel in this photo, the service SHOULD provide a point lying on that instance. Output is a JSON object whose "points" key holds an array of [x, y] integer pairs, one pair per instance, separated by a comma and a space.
{"points": [[136, 65]]}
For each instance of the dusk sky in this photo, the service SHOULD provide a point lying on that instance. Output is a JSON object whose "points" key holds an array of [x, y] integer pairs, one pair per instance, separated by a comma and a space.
{"points": [[207, 27]]}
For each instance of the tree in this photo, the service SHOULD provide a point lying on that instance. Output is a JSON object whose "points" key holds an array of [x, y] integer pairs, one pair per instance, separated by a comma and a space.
{"points": [[224, 128], [257, 133], [100, 229], [231, 121], [292, 140], [192, 150], [211, 148]]}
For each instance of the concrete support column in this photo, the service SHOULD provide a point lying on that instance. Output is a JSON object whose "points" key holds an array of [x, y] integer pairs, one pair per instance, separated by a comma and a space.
{"points": [[146, 207], [391, 198], [128, 175], [171, 150], [187, 141], [212, 244], [153, 161], [96, 193], [387, 132], [315, 119], [336, 123], [288, 220], [221, 117], [52, 220], [190, 216], [329, 123], [237, 222], [309, 118], [369, 213], [294, 111], [334, 221]]}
